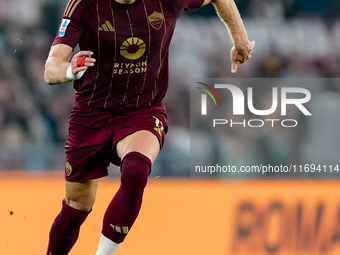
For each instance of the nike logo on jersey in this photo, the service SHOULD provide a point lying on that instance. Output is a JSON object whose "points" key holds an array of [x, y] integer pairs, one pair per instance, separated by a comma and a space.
{"points": [[106, 27], [123, 230]]}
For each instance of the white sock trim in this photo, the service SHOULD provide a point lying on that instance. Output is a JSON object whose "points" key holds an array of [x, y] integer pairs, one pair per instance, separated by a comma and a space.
{"points": [[106, 246]]}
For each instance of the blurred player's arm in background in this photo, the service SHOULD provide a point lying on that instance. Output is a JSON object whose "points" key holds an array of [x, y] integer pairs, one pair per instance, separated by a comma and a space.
{"points": [[57, 63], [229, 14]]}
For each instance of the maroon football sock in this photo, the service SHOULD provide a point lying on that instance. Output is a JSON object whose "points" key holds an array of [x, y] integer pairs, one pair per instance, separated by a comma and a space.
{"points": [[65, 230], [124, 207]]}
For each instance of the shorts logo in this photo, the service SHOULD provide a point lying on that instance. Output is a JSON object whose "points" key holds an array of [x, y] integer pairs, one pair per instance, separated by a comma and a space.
{"points": [[63, 27], [132, 48], [156, 20], [159, 126], [68, 169]]}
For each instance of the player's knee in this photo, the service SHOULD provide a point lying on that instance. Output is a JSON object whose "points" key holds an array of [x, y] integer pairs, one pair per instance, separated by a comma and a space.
{"points": [[81, 195], [80, 203], [135, 171], [80, 200], [134, 177]]}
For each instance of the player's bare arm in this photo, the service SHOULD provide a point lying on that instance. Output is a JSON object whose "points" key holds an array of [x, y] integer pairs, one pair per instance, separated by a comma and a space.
{"points": [[58, 62], [229, 14]]}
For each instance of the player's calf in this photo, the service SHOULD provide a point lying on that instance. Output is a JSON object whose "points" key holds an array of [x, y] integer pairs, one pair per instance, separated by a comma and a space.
{"points": [[65, 230], [124, 207]]}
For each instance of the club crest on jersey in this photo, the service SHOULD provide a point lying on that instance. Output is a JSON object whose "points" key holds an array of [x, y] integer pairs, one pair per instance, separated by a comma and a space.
{"points": [[63, 27], [156, 20]]}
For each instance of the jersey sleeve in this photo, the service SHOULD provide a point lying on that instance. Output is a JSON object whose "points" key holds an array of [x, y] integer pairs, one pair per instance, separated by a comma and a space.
{"points": [[193, 4], [181, 5], [72, 24]]}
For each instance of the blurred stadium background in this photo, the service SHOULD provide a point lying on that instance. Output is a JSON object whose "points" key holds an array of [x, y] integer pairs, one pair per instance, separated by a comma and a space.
{"points": [[294, 38]]}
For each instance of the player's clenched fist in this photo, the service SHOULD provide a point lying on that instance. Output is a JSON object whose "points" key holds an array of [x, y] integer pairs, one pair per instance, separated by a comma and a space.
{"points": [[240, 53]]}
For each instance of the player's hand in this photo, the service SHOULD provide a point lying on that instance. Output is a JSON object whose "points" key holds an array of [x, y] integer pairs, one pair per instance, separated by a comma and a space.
{"points": [[240, 53], [81, 61]]}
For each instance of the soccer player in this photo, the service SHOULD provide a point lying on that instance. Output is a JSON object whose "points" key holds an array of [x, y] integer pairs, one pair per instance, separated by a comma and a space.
{"points": [[120, 77]]}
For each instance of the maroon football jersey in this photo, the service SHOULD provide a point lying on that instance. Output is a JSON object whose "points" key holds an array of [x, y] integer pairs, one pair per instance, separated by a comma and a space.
{"points": [[130, 44]]}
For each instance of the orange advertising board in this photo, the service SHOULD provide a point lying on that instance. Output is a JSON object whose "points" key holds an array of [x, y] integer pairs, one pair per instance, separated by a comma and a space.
{"points": [[184, 216]]}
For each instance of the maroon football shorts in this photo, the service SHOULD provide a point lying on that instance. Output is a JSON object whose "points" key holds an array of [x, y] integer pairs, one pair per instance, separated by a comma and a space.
{"points": [[94, 133]]}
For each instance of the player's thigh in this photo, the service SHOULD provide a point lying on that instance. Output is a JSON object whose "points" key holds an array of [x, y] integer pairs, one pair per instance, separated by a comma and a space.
{"points": [[142, 141], [81, 195]]}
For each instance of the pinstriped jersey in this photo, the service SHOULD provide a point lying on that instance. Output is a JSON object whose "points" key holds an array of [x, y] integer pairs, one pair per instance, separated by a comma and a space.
{"points": [[130, 43]]}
